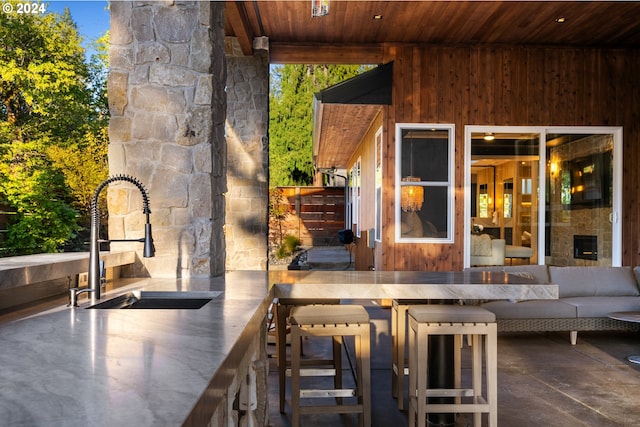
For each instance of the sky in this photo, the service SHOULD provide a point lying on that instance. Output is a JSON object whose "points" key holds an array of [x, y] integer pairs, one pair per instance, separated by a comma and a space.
{"points": [[91, 17]]}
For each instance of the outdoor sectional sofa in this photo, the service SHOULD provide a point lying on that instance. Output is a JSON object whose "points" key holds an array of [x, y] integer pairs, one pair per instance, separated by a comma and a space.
{"points": [[586, 296]]}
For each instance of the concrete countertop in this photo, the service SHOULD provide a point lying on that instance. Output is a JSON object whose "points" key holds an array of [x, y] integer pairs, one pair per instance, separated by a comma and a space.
{"points": [[28, 269], [451, 285], [79, 367]]}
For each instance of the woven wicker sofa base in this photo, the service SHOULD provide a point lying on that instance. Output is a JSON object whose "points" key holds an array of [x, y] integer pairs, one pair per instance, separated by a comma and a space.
{"points": [[573, 324]]}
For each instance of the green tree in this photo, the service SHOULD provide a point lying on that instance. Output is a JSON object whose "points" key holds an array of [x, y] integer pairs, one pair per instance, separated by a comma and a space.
{"points": [[53, 119], [36, 191], [291, 117], [84, 161]]}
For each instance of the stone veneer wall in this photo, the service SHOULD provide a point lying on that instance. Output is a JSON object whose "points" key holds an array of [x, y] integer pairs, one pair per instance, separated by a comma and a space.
{"points": [[168, 107], [246, 226]]}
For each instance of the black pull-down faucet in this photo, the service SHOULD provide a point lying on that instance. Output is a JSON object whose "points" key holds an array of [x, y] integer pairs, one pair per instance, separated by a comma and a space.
{"points": [[94, 248]]}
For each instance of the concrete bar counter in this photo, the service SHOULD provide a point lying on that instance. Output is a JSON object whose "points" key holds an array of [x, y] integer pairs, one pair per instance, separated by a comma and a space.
{"points": [[87, 367], [77, 367]]}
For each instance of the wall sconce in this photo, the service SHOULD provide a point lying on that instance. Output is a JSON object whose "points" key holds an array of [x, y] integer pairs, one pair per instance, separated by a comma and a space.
{"points": [[411, 196], [319, 8], [553, 168]]}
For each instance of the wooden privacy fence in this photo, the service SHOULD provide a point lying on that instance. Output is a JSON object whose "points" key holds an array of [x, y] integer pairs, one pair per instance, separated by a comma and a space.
{"points": [[316, 214]]}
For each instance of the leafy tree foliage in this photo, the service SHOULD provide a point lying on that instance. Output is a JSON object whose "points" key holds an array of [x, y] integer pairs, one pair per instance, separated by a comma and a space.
{"points": [[53, 121], [291, 118]]}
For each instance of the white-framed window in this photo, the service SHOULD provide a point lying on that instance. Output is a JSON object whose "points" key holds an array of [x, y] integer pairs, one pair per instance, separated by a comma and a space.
{"points": [[353, 198], [425, 183], [378, 184], [348, 221], [357, 178]]}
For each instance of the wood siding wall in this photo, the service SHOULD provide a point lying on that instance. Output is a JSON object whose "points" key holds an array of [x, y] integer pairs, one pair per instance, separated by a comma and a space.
{"points": [[364, 256], [508, 86]]}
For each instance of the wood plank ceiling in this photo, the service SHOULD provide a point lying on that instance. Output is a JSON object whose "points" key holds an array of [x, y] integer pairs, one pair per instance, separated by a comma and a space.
{"points": [[292, 31], [356, 32]]}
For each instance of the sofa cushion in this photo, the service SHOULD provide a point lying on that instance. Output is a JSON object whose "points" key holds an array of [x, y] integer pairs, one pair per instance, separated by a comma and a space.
{"points": [[594, 281], [513, 251], [481, 245], [531, 309], [602, 306], [636, 273]]}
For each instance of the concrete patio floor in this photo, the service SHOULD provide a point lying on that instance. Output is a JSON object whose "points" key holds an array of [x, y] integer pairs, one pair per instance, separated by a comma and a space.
{"points": [[542, 379]]}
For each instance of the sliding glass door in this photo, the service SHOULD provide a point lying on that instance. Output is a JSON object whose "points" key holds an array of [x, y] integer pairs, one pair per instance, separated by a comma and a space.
{"points": [[552, 194]]}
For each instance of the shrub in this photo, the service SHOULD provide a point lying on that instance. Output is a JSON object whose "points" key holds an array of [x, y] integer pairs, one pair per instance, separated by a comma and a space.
{"points": [[291, 243], [288, 247]]}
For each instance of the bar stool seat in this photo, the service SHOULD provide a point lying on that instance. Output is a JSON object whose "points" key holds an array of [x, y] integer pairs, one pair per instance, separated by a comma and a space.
{"points": [[334, 321], [454, 320]]}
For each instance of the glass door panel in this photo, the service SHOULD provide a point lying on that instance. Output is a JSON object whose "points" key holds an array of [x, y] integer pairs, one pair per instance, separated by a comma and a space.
{"points": [[579, 199], [505, 174]]}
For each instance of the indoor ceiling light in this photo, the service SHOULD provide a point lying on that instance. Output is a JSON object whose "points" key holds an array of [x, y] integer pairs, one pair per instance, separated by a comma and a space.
{"points": [[489, 136], [561, 20], [377, 17]]}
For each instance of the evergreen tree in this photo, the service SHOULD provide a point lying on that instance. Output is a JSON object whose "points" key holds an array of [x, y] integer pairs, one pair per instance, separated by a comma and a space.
{"points": [[291, 118]]}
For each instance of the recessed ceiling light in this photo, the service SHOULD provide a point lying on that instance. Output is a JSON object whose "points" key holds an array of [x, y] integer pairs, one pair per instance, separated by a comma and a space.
{"points": [[561, 20], [377, 17]]}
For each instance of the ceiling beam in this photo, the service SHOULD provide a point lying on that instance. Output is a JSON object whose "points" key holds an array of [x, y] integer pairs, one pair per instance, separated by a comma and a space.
{"points": [[311, 53], [236, 16]]}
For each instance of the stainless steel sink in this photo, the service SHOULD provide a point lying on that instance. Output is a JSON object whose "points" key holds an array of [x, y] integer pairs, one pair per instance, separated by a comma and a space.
{"points": [[190, 300]]}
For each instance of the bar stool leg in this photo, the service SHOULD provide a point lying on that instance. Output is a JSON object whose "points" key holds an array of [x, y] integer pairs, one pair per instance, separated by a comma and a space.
{"points": [[477, 375], [363, 357], [457, 362], [281, 349], [421, 373], [394, 352], [492, 373], [413, 357], [295, 377], [337, 363], [401, 332]]}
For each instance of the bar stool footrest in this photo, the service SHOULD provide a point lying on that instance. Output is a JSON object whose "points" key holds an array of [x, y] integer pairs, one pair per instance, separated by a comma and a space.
{"points": [[451, 392], [442, 408], [315, 393], [315, 372]]}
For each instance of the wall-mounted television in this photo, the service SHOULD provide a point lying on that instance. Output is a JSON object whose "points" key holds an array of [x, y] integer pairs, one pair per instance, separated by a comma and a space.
{"points": [[586, 181]]}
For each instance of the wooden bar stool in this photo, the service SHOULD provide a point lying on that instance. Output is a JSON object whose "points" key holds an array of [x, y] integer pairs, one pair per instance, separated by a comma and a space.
{"points": [[282, 309], [334, 321], [454, 320], [399, 369]]}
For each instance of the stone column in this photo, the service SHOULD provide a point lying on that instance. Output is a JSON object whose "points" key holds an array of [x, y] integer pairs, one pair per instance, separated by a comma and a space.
{"points": [[247, 225], [168, 107]]}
